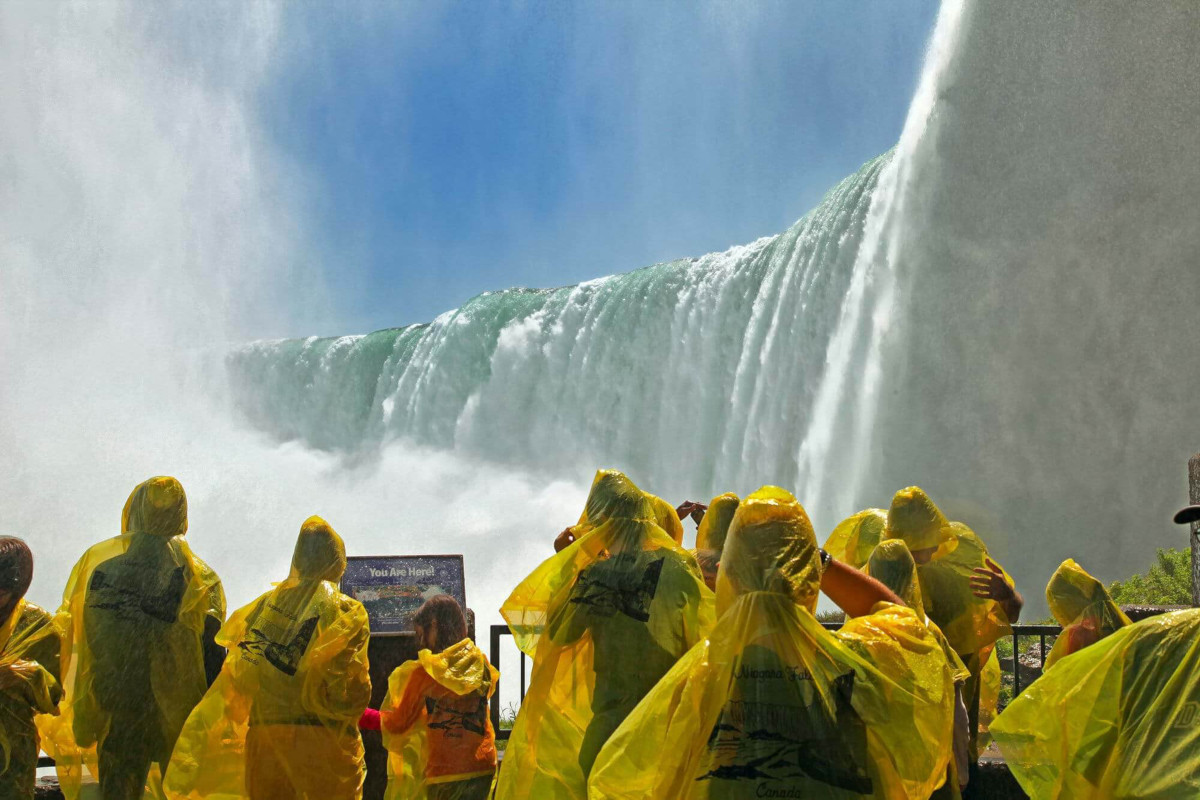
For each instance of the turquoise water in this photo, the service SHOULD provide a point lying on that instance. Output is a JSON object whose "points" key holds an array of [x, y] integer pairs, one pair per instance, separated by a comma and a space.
{"points": [[694, 372]]}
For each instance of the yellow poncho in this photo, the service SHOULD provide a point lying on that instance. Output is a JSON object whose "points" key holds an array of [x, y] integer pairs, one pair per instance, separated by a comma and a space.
{"points": [[665, 517], [132, 620], [29, 665], [435, 723], [1082, 606], [604, 619], [855, 538], [714, 527], [771, 704], [1116, 720], [970, 623], [990, 680], [917, 520], [284, 711], [893, 566]]}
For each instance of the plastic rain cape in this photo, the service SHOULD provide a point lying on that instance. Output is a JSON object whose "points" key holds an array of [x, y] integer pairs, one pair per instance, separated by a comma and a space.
{"points": [[917, 520], [1118, 719], [893, 566], [771, 704], [283, 714], [971, 624], [855, 538], [603, 620], [442, 703], [132, 625], [665, 517], [714, 527], [1084, 609], [989, 698], [29, 664]]}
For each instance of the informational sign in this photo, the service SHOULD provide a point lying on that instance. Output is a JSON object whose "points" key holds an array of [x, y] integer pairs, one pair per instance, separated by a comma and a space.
{"points": [[392, 588]]}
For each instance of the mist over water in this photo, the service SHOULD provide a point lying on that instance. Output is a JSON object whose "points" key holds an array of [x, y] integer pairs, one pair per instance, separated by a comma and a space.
{"points": [[1041, 375], [996, 310], [146, 231]]}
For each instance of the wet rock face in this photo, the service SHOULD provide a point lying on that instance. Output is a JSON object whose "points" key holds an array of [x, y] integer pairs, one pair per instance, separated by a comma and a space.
{"points": [[1030, 661], [47, 789]]}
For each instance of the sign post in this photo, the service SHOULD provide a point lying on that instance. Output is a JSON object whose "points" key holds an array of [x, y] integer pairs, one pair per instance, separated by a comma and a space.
{"points": [[392, 588]]}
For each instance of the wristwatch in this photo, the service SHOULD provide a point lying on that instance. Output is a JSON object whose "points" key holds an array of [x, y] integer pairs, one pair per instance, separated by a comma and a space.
{"points": [[825, 559]]}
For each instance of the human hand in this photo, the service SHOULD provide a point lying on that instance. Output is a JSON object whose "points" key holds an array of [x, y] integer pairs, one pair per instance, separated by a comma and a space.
{"points": [[990, 584], [564, 540], [691, 508]]}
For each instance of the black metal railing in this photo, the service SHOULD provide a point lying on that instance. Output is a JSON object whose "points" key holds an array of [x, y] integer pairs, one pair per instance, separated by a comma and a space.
{"points": [[498, 631], [1018, 631], [1040, 631]]}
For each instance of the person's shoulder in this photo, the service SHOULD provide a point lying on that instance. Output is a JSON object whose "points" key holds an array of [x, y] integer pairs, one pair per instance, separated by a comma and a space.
{"points": [[105, 549], [677, 559], [207, 573], [35, 615], [344, 603], [888, 618]]}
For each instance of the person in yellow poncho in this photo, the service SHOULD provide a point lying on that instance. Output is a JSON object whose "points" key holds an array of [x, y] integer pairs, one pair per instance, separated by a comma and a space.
{"points": [[892, 565], [855, 538], [1084, 609], [970, 597], [135, 617], [603, 619], [710, 535], [1119, 719], [435, 716], [714, 524], [770, 704], [666, 517], [281, 720], [29, 664]]}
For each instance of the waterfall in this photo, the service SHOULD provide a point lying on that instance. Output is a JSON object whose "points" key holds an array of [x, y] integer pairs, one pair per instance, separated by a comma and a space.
{"points": [[997, 310], [693, 374]]}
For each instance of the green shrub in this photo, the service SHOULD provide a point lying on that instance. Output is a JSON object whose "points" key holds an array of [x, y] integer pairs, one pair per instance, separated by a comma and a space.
{"points": [[1168, 582]]}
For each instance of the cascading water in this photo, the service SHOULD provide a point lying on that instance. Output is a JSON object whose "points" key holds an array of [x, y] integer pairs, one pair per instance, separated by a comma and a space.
{"points": [[691, 374], [993, 312]]}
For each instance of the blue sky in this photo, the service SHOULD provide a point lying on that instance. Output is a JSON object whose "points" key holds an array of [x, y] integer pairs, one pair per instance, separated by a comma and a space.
{"points": [[451, 148]]}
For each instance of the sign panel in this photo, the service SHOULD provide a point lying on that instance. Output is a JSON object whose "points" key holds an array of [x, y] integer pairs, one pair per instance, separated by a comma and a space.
{"points": [[392, 588]]}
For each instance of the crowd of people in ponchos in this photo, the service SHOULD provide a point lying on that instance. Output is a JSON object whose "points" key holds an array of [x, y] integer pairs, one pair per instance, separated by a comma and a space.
{"points": [[658, 671]]}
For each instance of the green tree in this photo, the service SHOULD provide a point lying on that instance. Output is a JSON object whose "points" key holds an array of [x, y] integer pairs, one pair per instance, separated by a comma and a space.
{"points": [[1167, 582]]}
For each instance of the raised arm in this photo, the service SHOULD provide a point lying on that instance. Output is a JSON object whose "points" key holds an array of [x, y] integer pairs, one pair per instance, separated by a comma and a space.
{"points": [[855, 592]]}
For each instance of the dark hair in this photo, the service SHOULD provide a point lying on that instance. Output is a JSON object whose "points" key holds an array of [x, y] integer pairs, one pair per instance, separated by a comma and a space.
{"points": [[709, 560], [16, 566], [448, 614]]}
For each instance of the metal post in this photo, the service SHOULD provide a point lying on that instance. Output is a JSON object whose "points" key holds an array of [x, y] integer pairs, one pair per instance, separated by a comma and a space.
{"points": [[1194, 497], [496, 631], [1016, 666]]}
